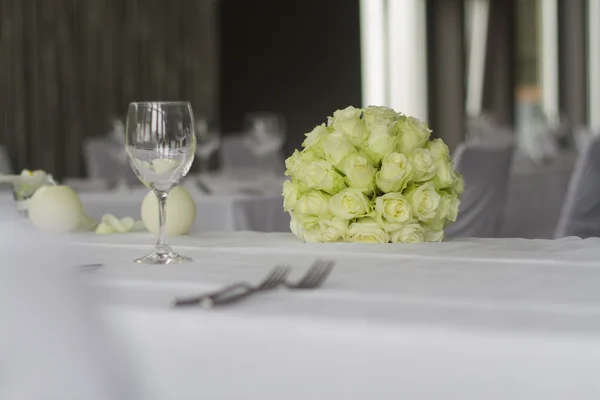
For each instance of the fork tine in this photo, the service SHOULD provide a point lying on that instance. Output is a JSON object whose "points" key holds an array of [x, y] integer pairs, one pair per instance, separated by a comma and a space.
{"points": [[309, 274], [277, 275], [325, 273], [281, 277], [316, 276], [267, 281]]}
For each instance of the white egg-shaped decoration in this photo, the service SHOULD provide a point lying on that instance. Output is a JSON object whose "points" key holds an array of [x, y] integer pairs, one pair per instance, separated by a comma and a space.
{"points": [[55, 209], [180, 209]]}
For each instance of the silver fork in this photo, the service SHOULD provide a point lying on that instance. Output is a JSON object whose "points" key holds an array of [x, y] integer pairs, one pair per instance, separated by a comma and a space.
{"points": [[235, 292], [314, 277]]}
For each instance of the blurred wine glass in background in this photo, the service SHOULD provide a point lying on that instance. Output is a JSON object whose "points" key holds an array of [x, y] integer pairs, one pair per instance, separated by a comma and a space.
{"points": [[208, 141], [265, 135]]}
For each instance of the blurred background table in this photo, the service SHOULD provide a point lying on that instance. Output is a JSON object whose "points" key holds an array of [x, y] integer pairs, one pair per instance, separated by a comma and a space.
{"points": [[235, 204]]}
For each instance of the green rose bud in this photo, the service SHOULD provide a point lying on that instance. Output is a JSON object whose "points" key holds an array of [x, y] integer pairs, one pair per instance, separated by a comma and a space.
{"points": [[349, 123], [381, 141], [290, 196], [360, 173], [322, 176], [335, 148], [371, 114], [333, 229], [424, 201], [395, 173], [409, 233], [393, 207], [349, 204], [438, 149], [424, 168], [367, 230], [413, 134]]}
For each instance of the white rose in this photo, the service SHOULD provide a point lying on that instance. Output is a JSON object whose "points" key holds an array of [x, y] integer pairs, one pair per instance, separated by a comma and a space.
{"points": [[453, 206], [296, 226], [413, 134], [349, 123], [444, 177], [313, 234], [300, 186], [321, 175], [423, 166], [424, 201], [434, 235], [360, 173], [438, 149], [316, 136], [444, 207], [335, 148], [290, 196], [396, 171], [296, 163], [347, 113], [313, 203], [409, 233], [349, 204], [333, 229], [393, 207], [459, 182], [367, 230], [381, 141], [371, 114]]}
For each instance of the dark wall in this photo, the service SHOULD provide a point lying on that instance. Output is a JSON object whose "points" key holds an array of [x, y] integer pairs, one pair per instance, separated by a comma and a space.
{"points": [[66, 66], [299, 58]]}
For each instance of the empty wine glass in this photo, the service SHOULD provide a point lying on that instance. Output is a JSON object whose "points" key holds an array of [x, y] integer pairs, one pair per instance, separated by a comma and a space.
{"points": [[161, 144]]}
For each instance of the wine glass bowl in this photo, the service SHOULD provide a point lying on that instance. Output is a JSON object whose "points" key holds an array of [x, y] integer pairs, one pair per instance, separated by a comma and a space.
{"points": [[160, 144]]}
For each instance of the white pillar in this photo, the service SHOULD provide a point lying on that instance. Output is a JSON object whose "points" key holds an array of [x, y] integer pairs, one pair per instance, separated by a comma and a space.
{"points": [[549, 59], [373, 52], [407, 56], [594, 65], [477, 17]]}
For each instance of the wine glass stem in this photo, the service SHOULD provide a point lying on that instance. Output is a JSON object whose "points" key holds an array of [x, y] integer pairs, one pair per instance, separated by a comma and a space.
{"points": [[162, 218]]}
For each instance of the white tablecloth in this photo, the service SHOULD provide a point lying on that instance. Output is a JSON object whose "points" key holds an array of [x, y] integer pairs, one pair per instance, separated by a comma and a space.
{"points": [[470, 319]]}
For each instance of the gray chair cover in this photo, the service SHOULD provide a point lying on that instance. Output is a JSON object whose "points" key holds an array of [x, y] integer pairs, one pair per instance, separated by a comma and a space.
{"points": [[486, 170], [106, 160], [235, 154], [580, 215], [5, 167]]}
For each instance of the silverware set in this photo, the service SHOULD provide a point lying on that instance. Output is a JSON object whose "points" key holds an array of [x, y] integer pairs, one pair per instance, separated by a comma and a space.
{"points": [[314, 278]]}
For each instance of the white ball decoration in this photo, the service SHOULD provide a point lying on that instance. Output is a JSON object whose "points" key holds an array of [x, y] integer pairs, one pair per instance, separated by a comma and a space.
{"points": [[180, 208], [55, 209]]}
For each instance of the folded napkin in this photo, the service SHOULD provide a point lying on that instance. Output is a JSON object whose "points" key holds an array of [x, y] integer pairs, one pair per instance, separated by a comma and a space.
{"points": [[110, 224]]}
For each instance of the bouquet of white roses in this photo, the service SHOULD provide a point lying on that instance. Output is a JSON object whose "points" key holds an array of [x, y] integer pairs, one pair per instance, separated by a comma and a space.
{"points": [[371, 175]]}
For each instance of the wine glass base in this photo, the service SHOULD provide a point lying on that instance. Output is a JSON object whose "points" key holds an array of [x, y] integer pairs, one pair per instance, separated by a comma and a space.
{"points": [[162, 258]]}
